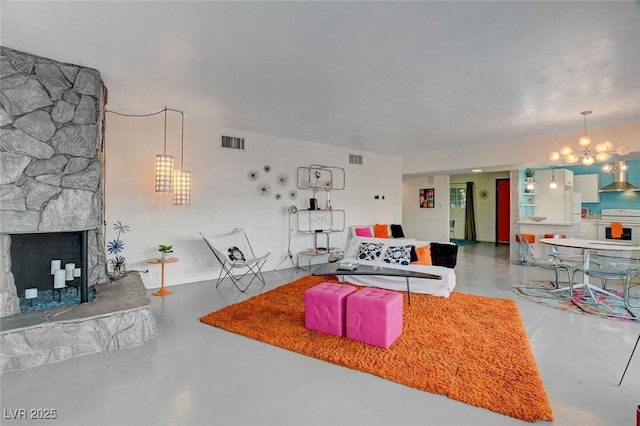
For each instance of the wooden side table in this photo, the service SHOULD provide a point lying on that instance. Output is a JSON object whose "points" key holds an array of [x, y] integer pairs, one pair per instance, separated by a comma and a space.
{"points": [[163, 291]]}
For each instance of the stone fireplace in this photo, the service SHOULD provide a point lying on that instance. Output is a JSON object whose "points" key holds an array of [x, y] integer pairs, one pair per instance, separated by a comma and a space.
{"points": [[51, 196], [51, 160]]}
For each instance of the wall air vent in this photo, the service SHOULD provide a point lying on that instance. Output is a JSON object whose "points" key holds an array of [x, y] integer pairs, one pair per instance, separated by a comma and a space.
{"points": [[355, 159], [232, 142]]}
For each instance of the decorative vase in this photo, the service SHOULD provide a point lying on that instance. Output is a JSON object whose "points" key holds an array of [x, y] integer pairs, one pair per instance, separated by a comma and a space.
{"points": [[164, 256]]}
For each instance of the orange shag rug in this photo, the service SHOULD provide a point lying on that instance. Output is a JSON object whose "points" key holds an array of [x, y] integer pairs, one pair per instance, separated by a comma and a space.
{"points": [[470, 348]]}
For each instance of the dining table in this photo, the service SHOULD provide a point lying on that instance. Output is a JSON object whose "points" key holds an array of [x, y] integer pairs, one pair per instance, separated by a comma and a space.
{"points": [[587, 247]]}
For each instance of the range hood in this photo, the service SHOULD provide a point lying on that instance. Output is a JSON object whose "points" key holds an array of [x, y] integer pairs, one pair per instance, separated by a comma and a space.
{"points": [[620, 181]]}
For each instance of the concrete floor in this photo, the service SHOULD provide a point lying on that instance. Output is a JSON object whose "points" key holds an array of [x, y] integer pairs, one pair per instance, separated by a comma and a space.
{"points": [[195, 374]]}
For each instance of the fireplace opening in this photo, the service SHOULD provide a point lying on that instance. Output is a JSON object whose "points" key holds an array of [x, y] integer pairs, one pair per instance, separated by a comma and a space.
{"points": [[50, 269]]}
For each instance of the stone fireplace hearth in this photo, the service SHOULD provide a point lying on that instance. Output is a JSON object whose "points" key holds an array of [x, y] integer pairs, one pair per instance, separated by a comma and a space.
{"points": [[51, 182]]}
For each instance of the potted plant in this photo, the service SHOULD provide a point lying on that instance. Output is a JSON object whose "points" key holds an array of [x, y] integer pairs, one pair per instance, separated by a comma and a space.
{"points": [[529, 173], [165, 250]]}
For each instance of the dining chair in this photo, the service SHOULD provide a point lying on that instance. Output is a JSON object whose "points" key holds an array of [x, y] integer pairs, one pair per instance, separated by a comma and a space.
{"points": [[452, 228], [575, 261], [554, 263], [611, 266]]}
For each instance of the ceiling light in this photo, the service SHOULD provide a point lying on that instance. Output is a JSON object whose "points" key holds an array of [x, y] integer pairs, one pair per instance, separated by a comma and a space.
{"points": [[554, 183], [477, 170], [164, 165], [615, 167], [601, 152], [169, 180], [181, 178]]}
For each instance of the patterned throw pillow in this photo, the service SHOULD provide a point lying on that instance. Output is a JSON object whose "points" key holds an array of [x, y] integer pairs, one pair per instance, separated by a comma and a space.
{"points": [[369, 251], [235, 254], [400, 255]]}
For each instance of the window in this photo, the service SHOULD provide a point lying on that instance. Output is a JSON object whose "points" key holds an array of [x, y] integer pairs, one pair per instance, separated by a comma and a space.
{"points": [[458, 197]]}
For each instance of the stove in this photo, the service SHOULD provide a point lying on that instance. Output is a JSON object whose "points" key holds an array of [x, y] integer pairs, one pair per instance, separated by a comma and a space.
{"points": [[631, 215], [620, 225]]}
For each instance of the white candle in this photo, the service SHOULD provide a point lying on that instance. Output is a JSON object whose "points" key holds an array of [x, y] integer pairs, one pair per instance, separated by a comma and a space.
{"points": [[30, 293], [55, 265], [68, 269], [77, 272], [58, 278]]}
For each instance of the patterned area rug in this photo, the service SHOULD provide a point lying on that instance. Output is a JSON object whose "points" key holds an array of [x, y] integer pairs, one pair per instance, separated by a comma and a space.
{"points": [[607, 306]]}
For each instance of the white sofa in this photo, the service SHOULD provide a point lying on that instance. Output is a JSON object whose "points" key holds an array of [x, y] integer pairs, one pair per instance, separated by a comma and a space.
{"points": [[441, 288]]}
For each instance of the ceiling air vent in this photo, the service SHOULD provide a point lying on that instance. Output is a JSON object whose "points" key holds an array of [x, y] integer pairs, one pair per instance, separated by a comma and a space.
{"points": [[355, 159], [232, 142]]}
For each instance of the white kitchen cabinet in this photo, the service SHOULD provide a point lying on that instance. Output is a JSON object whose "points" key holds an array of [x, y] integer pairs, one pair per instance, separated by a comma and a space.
{"points": [[556, 204], [589, 229], [588, 186], [565, 176]]}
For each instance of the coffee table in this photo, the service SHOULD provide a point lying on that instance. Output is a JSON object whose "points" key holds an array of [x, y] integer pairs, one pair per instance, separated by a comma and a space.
{"points": [[334, 269]]}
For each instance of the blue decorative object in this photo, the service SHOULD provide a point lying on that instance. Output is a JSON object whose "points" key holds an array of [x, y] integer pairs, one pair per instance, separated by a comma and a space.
{"points": [[117, 266], [47, 300], [115, 246]]}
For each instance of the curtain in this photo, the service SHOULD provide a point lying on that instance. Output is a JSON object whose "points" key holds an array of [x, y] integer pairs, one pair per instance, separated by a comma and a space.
{"points": [[469, 215]]}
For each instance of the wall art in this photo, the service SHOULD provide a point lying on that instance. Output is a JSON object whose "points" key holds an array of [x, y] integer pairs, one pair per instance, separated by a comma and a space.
{"points": [[427, 198]]}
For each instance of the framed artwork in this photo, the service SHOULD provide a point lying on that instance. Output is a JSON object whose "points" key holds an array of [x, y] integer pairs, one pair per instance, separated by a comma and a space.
{"points": [[427, 198]]}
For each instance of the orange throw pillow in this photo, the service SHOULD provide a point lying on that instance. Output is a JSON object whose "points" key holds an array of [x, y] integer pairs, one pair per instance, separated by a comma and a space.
{"points": [[381, 231], [424, 255]]}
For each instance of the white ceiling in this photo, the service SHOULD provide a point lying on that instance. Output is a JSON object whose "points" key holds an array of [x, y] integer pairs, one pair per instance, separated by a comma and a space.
{"points": [[387, 77]]}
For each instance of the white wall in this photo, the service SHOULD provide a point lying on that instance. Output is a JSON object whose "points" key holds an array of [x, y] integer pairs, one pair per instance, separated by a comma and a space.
{"points": [[223, 196], [426, 224]]}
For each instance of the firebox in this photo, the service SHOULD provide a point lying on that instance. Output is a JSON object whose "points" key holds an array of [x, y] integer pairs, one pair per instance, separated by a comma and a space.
{"points": [[32, 254]]}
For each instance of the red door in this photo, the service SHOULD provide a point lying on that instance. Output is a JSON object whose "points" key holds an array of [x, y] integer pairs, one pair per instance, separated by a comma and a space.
{"points": [[503, 209]]}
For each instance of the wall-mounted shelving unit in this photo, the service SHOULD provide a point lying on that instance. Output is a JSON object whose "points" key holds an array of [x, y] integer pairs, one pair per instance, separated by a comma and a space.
{"points": [[323, 218]]}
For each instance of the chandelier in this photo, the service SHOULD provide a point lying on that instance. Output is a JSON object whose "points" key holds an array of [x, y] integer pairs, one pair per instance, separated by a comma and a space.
{"points": [[620, 166], [588, 154]]}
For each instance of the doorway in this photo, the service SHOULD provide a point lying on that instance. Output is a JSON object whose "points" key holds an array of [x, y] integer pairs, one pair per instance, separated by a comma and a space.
{"points": [[503, 210]]}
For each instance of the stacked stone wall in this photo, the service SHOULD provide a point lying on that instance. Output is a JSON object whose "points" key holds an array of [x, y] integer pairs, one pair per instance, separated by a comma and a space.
{"points": [[51, 156]]}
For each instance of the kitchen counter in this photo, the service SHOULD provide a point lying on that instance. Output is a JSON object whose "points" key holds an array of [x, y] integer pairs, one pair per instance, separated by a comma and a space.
{"points": [[547, 223], [539, 229]]}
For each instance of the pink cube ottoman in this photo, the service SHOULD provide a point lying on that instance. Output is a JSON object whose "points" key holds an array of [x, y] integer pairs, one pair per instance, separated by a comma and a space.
{"points": [[374, 316], [324, 307]]}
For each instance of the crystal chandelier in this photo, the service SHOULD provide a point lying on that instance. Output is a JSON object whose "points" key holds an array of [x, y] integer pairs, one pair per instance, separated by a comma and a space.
{"points": [[588, 154]]}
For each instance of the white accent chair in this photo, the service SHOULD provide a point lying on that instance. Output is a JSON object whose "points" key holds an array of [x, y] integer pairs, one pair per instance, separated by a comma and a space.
{"points": [[234, 252]]}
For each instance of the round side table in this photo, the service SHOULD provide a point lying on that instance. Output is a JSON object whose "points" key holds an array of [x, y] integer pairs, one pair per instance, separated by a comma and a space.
{"points": [[163, 291]]}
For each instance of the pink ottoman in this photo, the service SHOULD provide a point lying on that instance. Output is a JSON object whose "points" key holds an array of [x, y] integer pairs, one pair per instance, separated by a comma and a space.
{"points": [[324, 307], [374, 316]]}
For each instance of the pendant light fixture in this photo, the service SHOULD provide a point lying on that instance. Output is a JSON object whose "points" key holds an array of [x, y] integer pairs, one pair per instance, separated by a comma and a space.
{"points": [[182, 178], [554, 183], [600, 152], [169, 180], [164, 165]]}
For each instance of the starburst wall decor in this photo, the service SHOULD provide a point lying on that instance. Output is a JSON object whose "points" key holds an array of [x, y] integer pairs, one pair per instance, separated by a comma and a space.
{"points": [[272, 185], [264, 189]]}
